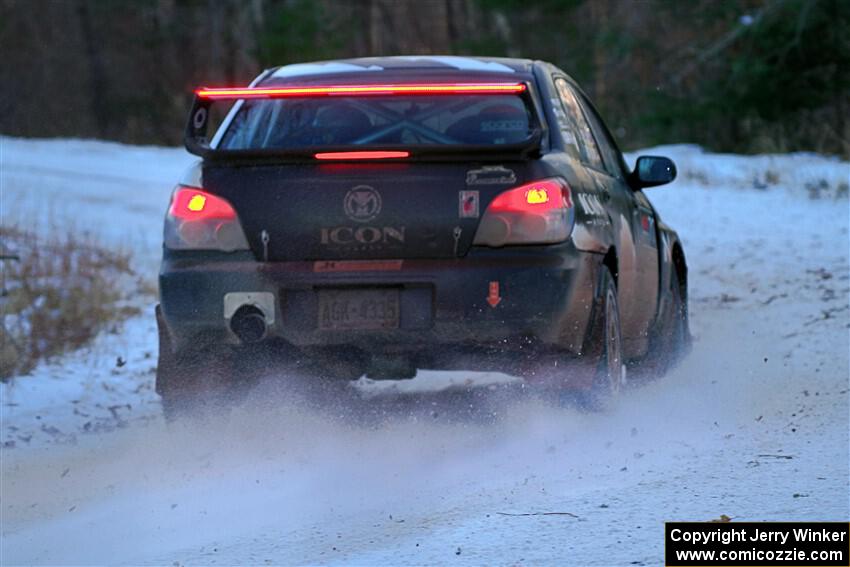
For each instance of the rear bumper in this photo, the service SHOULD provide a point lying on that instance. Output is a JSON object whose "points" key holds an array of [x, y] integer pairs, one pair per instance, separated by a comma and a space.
{"points": [[546, 297]]}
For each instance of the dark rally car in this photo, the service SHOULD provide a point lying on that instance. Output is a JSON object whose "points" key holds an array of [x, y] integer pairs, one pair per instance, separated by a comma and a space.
{"points": [[375, 216]]}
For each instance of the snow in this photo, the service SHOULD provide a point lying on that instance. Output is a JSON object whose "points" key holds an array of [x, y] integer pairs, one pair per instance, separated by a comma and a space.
{"points": [[118, 193], [803, 174], [754, 423]]}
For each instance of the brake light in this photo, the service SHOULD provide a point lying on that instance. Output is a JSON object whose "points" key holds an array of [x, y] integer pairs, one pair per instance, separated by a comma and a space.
{"points": [[536, 213], [537, 196], [361, 155], [197, 220], [189, 203], [361, 90], [197, 203]]}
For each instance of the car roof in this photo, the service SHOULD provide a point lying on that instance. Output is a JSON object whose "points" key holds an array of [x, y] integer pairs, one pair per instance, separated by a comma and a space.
{"points": [[376, 68]]}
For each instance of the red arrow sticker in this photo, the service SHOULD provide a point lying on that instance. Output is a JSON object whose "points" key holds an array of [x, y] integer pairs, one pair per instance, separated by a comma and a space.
{"points": [[493, 298]]}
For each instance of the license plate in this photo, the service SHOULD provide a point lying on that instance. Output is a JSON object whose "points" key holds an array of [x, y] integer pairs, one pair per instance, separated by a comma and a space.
{"points": [[341, 310]]}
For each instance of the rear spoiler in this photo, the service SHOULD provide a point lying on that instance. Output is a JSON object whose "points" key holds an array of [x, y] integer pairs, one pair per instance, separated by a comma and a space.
{"points": [[197, 141]]}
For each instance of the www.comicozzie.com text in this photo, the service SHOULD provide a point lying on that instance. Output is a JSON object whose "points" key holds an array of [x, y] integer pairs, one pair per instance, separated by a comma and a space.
{"points": [[726, 536]]}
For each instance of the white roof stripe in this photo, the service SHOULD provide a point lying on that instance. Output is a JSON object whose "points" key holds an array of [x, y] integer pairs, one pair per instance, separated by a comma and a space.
{"points": [[302, 69], [462, 63]]}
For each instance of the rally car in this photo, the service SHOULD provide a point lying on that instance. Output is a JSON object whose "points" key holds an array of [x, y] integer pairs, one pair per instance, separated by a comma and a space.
{"points": [[382, 215]]}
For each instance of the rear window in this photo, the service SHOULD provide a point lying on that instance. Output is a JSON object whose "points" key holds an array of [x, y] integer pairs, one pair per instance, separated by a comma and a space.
{"points": [[378, 121]]}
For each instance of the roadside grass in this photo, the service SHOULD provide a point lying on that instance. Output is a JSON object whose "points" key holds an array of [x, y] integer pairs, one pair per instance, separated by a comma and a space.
{"points": [[58, 289]]}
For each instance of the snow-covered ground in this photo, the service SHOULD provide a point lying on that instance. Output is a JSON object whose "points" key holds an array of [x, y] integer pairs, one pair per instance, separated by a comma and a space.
{"points": [[450, 467]]}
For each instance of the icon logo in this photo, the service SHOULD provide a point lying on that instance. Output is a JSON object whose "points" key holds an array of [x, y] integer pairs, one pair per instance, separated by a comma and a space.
{"points": [[362, 203]]}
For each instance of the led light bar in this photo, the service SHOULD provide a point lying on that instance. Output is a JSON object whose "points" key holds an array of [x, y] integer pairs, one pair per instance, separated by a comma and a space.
{"points": [[362, 90], [362, 155]]}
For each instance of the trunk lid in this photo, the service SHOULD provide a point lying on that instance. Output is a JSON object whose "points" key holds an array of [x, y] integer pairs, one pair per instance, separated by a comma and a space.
{"points": [[375, 210]]}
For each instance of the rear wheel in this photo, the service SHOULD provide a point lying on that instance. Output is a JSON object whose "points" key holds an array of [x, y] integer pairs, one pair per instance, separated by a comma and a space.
{"points": [[194, 382], [593, 384], [610, 377]]}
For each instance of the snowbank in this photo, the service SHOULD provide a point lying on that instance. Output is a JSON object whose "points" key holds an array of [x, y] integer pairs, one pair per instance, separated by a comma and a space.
{"points": [[804, 174]]}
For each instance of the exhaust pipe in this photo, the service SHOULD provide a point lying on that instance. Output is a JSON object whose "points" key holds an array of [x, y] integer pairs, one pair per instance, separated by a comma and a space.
{"points": [[248, 323]]}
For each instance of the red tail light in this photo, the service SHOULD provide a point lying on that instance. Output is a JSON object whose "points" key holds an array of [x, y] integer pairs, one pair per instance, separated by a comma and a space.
{"points": [[198, 220], [536, 213], [189, 203], [362, 90], [534, 197]]}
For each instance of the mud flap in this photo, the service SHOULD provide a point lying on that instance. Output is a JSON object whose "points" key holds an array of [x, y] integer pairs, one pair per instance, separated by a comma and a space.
{"points": [[576, 371], [201, 368]]}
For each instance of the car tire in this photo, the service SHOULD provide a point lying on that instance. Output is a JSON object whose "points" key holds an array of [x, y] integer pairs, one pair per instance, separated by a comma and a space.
{"points": [[610, 377], [671, 339], [193, 382], [680, 338]]}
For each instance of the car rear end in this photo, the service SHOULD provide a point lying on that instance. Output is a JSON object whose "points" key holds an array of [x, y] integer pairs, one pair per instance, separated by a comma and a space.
{"points": [[407, 217]]}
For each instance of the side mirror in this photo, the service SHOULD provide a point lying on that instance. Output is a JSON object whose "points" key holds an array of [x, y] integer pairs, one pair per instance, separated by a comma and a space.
{"points": [[652, 170]]}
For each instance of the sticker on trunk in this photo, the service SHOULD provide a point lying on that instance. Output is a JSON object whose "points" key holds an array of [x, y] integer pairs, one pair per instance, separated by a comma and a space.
{"points": [[468, 204], [490, 175]]}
